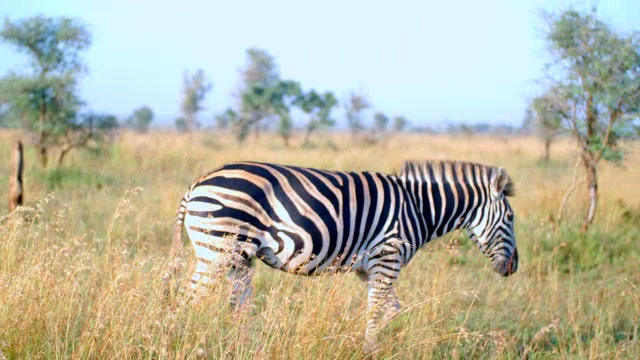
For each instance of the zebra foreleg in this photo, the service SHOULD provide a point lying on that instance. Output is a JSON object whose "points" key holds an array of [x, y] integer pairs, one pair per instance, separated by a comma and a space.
{"points": [[383, 269], [392, 306]]}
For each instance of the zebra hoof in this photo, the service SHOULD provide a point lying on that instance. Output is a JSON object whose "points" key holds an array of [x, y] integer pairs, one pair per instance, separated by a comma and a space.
{"points": [[369, 346]]}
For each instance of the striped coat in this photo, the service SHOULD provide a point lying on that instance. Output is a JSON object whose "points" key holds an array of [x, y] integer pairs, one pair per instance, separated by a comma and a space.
{"points": [[309, 221]]}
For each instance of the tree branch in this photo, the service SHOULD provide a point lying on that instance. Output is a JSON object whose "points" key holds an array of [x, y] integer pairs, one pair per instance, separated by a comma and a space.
{"points": [[576, 132], [570, 190], [605, 142]]}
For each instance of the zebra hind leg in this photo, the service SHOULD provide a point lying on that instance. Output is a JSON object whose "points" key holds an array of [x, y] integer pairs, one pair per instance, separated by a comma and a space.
{"points": [[234, 260], [240, 275]]}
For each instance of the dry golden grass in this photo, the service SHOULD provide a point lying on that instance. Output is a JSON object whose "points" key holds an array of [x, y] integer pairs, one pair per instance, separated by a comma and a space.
{"points": [[80, 268]]}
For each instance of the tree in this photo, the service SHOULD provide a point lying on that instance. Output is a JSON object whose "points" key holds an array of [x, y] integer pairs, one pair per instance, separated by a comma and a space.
{"points": [[318, 108], [379, 131], [260, 69], [381, 121], [282, 96], [259, 74], [140, 119], [45, 100], [225, 119], [89, 130], [597, 72], [181, 124], [528, 122], [254, 106], [399, 123], [550, 109], [196, 88], [355, 104]]}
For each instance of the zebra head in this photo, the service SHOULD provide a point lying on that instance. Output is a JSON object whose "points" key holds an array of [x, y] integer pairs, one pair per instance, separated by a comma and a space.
{"points": [[491, 229]]}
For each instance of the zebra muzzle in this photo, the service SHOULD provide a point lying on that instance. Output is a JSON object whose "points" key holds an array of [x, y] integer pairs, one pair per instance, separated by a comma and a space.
{"points": [[506, 266]]}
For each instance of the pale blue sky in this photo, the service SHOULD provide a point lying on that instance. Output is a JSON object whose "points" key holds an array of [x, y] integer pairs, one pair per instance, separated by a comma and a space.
{"points": [[466, 61]]}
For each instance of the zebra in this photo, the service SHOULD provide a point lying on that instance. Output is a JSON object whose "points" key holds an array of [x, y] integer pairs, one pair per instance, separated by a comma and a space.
{"points": [[309, 221]]}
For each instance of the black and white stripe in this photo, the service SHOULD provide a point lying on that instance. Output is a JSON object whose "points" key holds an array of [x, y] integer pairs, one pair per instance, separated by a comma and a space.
{"points": [[308, 222]]}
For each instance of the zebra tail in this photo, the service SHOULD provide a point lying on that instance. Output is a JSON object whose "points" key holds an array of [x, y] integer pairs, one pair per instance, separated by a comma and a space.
{"points": [[176, 264]]}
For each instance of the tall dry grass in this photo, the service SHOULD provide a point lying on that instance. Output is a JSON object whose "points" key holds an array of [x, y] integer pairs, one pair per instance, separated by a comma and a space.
{"points": [[81, 264]]}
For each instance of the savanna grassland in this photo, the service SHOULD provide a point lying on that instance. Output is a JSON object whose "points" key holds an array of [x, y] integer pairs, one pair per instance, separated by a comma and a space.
{"points": [[81, 264]]}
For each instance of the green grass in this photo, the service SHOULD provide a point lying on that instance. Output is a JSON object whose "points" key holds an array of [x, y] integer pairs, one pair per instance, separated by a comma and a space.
{"points": [[81, 265]]}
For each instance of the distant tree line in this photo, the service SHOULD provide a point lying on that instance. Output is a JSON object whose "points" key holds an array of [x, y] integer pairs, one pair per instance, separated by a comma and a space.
{"points": [[265, 102]]}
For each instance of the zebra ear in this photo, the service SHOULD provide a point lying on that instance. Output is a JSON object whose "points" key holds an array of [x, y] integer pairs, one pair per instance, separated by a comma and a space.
{"points": [[500, 184]]}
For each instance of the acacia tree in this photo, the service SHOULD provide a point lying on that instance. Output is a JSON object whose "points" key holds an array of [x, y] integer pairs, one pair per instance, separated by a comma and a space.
{"points": [[45, 99], [196, 87], [318, 107], [258, 76], [399, 123], [88, 130], [550, 109], [140, 119], [597, 71], [281, 98], [355, 105], [381, 121], [254, 106]]}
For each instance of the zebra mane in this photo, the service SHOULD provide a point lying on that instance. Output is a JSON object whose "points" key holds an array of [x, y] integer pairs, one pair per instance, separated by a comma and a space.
{"points": [[423, 170]]}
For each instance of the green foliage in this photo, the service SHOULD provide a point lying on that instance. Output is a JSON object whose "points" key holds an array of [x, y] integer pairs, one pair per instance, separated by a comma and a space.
{"points": [[281, 98], [239, 125], [550, 111], [91, 131], [381, 122], [260, 69], [569, 250], [598, 76], [53, 44], [355, 105], [528, 121], [225, 119], [318, 107], [181, 124], [599, 85], [140, 119], [45, 105], [258, 77], [45, 100], [74, 177], [196, 87], [399, 123], [266, 97]]}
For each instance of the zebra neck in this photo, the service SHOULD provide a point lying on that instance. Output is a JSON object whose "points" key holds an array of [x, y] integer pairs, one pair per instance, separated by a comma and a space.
{"points": [[442, 206]]}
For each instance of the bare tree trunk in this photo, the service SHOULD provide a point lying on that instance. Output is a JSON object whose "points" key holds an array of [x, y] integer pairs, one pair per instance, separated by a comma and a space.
{"points": [[590, 163], [307, 136], [42, 153], [15, 183], [63, 153], [257, 130], [547, 149], [592, 185]]}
